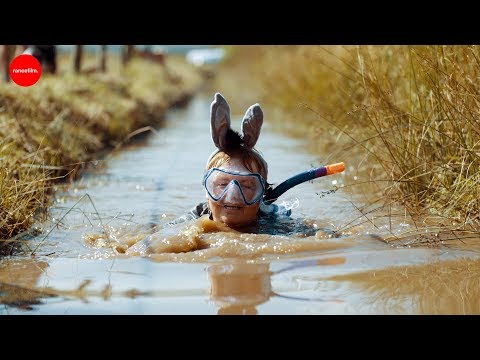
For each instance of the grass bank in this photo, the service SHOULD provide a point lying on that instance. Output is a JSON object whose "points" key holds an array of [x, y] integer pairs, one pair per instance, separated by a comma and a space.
{"points": [[406, 117], [49, 132]]}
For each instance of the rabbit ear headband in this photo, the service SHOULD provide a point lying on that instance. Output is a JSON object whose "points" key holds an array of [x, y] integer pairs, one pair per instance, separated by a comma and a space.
{"points": [[220, 123], [220, 126]]}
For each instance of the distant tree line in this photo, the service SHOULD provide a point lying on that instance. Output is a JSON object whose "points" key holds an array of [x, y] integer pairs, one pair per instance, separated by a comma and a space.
{"points": [[47, 56]]}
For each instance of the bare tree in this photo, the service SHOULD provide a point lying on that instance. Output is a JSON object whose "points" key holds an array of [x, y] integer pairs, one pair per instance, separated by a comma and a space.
{"points": [[127, 53], [6, 55], [103, 58], [77, 58]]}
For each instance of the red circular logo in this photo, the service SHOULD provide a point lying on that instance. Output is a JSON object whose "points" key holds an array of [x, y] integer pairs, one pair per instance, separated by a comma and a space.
{"points": [[25, 70]]}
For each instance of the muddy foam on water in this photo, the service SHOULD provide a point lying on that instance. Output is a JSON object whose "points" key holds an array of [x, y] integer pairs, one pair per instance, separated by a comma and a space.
{"points": [[205, 239]]}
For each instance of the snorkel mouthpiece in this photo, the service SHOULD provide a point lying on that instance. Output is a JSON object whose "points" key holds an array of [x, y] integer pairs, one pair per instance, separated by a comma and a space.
{"points": [[333, 168]]}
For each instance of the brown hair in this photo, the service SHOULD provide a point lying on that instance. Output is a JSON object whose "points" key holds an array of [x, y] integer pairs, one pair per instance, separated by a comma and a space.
{"points": [[251, 159]]}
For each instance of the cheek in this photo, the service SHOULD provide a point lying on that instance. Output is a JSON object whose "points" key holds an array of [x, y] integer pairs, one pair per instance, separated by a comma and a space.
{"points": [[251, 210], [214, 206]]}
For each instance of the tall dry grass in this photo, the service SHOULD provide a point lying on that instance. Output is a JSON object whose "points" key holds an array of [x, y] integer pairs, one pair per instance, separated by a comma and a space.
{"points": [[405, 117], [49, 132], [423, 104]]}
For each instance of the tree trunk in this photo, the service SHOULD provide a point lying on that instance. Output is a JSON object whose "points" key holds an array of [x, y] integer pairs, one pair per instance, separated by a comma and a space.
{"points": [[103, 58], [6, 58], [127, 53], [77, 59]]}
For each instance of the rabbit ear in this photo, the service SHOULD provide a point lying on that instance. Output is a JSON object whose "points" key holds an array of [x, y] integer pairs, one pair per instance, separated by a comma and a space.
{"points": [[220, 120], [251, 125]]}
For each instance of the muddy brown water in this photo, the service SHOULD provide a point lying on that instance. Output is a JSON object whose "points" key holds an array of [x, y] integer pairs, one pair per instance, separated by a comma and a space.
{"points": [[110, 250]]}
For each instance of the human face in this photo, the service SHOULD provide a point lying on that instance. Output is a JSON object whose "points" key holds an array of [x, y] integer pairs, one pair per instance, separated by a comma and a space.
{"points": [[231, 208]]}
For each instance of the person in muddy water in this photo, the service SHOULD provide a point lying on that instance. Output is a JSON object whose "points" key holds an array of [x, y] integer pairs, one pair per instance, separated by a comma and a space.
{"points": [[235, 178], [235, 181]]}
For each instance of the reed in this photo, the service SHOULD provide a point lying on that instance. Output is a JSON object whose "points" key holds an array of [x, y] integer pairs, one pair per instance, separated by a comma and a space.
{"points": [[406, 117], [50, 132]]}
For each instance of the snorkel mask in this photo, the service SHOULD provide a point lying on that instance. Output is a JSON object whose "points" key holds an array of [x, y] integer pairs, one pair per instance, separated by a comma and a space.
{"points": [[234, 186]]}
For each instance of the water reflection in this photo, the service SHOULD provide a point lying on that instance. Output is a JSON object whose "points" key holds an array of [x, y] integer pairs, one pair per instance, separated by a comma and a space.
{"points": [[238, 288], [242, 286], [18, 281], [442, 287]]}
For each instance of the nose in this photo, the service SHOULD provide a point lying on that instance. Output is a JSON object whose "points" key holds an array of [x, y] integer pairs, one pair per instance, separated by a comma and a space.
{"points": [[233, 195]]}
